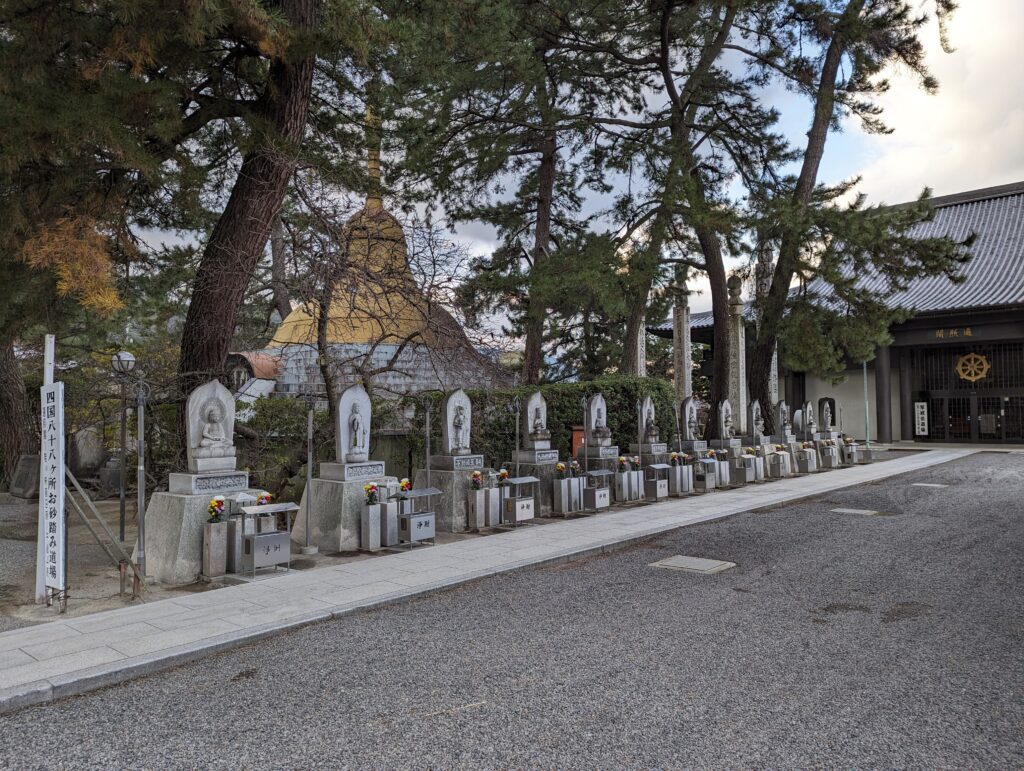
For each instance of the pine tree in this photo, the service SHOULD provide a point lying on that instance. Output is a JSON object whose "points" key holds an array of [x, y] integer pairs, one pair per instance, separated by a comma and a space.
{"points": [[815, 235]]}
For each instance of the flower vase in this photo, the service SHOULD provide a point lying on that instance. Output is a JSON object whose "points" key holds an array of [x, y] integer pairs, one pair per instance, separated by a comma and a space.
{"points": [[562, 498], [686, 479], [636, 484], [492, 505], [476, 509], [215, 549], [369, 528], [621, 486], [389, 523], [576, 493]]}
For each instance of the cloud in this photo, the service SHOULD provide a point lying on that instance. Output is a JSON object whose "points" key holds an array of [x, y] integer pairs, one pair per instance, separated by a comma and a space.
{"points": [[968, 135]]}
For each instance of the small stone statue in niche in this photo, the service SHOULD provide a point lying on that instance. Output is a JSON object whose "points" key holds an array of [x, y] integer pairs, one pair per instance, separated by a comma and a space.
{"points": [[459, 423], [213, 428], [650, 428], [355, 424]]}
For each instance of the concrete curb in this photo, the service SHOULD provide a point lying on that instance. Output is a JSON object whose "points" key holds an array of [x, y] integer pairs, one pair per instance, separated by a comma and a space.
{"points": [[104, 675]]}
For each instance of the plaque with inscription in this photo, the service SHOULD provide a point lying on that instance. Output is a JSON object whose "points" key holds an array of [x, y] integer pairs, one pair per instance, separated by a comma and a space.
{"points": [[363, 470], [197, 484], [219, 483]]}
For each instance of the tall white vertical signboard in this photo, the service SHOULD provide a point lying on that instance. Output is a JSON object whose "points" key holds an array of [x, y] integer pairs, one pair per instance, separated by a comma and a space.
{"points": [[51, 489]]}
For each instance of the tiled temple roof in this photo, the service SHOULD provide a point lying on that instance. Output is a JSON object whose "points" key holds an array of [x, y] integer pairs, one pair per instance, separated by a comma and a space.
{"points": [[993, 278]]}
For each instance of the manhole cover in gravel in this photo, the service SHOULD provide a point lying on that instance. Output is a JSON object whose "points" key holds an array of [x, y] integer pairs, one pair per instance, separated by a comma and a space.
{"points": [[865, 512], [927, 484], [693, 564]]}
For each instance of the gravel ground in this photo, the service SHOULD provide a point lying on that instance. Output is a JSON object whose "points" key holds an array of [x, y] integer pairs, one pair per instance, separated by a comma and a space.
{"points": [[17, 557], [839, 640]]}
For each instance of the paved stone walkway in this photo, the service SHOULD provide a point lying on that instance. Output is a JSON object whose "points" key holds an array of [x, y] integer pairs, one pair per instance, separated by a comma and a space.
{"points": [[65, 657]]}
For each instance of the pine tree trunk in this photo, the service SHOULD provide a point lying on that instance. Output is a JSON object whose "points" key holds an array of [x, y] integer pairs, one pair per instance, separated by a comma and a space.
{"points": [[773, 306], [721, 344], [278, 284], [631, 353], [536, 304], [241, 233], [17, 430]]}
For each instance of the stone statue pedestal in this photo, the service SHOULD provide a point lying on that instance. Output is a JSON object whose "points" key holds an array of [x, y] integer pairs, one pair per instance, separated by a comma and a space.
{"points": [[783, 439], [208, 483], [174, 532], [544, 498], [335, 512], [456, 462], [823, 435], [537, 457], [367, 471], [218, 463], [732, 446], [599, 457], [451, 507], [601, 452], [653, 452], [693, 446]]}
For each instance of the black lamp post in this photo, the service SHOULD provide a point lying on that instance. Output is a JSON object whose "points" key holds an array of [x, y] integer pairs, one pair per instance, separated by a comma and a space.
{"points": [[123, 363]]}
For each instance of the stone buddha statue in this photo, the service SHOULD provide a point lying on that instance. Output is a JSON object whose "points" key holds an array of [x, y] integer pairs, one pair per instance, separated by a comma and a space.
{"points": [[650, 428], [213, 440], [538, 430]]}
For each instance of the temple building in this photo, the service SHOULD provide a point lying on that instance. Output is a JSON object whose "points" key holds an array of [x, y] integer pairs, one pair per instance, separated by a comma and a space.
{"points": [[955, 369], [378, 327]]}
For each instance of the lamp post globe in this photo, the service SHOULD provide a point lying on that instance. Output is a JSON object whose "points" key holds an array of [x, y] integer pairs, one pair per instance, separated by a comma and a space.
{"points": [[122, 362]]}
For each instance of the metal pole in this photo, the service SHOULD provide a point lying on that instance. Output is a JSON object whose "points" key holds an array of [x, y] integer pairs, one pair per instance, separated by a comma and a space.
{"points": [[867, 415], [517, 406], [140, 481], [426, 407], [124, 452], [639, 427], [308, 548], [586, 433]]}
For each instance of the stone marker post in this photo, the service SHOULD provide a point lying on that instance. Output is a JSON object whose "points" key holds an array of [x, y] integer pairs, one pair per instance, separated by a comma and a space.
{"points": [[682, 354], [737, 356]]}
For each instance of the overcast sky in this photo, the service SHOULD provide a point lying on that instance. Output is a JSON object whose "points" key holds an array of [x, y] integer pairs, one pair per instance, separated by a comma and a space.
{"points": [[968, 135]]}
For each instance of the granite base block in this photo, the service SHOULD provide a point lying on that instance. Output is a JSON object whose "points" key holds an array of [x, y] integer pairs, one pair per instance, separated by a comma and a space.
{"points": [[451, 506], [174, 536], [335, 513], [544, 500]]}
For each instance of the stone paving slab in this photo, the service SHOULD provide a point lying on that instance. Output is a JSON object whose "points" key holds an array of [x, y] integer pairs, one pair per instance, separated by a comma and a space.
{"points": [[66, 657]]}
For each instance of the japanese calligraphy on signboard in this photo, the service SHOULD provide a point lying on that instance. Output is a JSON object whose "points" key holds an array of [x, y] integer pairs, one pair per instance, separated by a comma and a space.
{"points": [[920, 418], [954, 333], [51, 487]]}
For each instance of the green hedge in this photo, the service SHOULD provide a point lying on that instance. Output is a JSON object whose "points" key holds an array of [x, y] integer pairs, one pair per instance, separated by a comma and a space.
{"points": [[493, 423]]}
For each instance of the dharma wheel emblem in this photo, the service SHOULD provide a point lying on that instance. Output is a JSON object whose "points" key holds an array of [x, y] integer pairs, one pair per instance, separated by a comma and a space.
{"points": [[972, 367]]}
